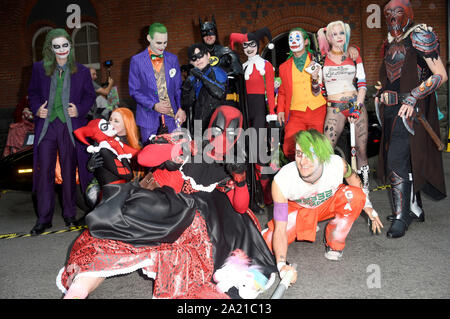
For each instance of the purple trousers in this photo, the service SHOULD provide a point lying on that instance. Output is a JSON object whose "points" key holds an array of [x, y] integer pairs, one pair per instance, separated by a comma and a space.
{"points": [[56, 140]]}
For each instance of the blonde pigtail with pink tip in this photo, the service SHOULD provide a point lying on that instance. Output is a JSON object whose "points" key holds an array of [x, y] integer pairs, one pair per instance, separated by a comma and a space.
{"points": [[324, 46]]}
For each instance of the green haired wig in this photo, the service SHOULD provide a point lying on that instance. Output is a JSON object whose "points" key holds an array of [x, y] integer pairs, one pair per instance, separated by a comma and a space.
{"points": [[313, 143], [49, 58], [156, 27]]}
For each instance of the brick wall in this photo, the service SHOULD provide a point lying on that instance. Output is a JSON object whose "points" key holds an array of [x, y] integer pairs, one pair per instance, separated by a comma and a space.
{"points": [[14, 51], [123, 24]]}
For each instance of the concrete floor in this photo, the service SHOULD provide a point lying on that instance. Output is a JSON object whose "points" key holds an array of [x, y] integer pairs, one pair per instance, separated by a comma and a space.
{"points": [[373, 267]]}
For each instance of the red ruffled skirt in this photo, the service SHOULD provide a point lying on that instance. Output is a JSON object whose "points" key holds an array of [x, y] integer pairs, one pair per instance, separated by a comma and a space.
{"points": [[190, 259]]}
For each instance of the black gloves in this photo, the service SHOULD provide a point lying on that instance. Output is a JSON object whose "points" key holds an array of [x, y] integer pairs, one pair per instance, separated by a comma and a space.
{"points": [[162, 129], [95, 162], [196, 73], [238, 171]]}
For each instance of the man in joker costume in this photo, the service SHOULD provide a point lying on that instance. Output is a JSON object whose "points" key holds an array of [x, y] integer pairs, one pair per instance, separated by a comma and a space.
{"points": [[300, 104], [411, 72], [60, 94], [259, 82], [155, 83], [310, 190]]}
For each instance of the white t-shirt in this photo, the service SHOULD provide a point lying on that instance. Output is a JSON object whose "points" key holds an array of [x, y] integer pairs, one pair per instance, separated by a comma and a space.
{"points": [[309, 195]]}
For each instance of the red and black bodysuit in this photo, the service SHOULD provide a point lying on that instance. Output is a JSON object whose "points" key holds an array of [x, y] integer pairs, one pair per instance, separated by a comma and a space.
{"points": [[113, 171], [114, 154]]}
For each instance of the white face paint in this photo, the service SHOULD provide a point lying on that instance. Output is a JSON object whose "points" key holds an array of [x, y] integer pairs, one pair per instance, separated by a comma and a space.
{"points": [[61, 47], [338, 38], [250, 48], [158, 43], [107, 128], [296, 42]]}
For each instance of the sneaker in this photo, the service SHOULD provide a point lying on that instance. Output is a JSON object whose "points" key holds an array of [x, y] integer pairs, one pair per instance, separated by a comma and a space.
{"points": [[331, 254]]}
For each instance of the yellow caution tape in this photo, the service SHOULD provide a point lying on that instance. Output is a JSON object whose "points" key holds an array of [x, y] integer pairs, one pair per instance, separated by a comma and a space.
{"points": [[22, 235]]}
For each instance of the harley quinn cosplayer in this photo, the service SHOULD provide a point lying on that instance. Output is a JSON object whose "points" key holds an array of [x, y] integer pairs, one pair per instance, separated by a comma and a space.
{"points": [[180, 232], [411, 72], [344, 100], [259, 82], [111, 159], [259, 76]]}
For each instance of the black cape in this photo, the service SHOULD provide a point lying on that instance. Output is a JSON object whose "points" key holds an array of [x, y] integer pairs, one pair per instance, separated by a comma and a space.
{"points": [[141, 217]]}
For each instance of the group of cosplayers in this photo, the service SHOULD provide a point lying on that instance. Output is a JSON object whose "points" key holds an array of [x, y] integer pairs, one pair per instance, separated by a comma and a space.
{"points": [[314, 101]]}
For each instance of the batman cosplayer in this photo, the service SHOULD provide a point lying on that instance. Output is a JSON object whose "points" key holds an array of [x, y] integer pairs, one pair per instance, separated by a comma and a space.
{"points": [[220, 55]]}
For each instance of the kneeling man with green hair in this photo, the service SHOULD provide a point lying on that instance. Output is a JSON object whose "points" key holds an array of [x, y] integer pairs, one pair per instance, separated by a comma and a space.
{"points": [[311, 189]]}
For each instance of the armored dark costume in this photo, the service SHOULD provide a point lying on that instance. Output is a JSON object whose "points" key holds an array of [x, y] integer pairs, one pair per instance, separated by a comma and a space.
{"points": [[410, 163]]}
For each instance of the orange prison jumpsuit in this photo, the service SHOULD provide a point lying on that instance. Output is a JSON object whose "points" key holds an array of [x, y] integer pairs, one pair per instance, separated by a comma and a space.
{"points": [[344, 207]]}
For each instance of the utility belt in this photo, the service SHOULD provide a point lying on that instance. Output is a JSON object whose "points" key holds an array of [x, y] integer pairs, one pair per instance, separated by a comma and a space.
{"points": [[342, 106], [391, 98], [232, 97]]}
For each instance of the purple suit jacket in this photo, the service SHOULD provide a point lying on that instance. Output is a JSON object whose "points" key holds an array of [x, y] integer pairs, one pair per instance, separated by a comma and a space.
{"points": [[142, 86], [82, 94]]}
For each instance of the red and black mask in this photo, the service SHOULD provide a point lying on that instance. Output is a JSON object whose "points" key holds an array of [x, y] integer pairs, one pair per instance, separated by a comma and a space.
{"points": [[399, 16], [224, 130]]}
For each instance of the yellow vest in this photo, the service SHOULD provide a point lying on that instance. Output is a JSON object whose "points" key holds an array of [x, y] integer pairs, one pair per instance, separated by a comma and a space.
{"points": [[302, 96]]}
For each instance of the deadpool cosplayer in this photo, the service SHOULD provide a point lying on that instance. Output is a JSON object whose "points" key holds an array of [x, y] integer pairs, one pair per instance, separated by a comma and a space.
{"points": [[180, 232], [410, 74]]}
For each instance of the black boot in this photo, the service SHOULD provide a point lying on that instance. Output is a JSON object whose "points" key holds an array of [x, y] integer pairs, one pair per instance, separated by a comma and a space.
{"points": [[416, 210], [401, 195]]}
